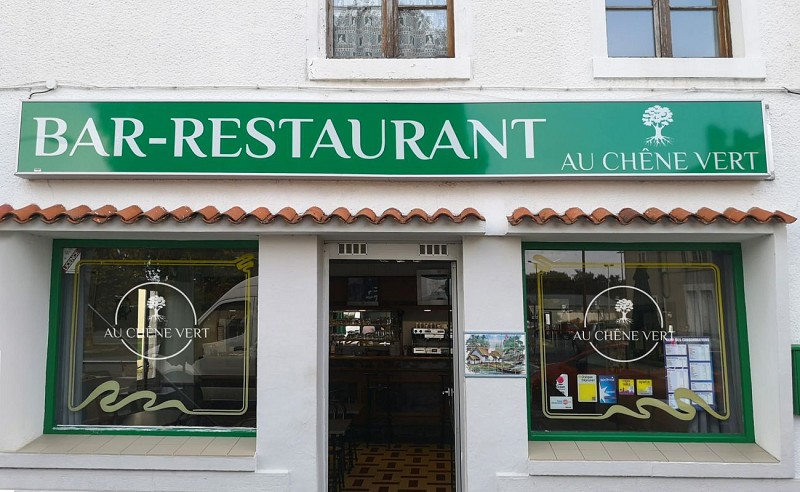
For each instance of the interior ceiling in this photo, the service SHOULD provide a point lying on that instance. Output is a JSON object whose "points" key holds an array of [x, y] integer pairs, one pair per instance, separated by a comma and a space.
{"points": [[384, 268]]}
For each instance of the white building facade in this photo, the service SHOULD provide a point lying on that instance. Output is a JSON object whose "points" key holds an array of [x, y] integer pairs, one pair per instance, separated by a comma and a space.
{"points": [[283, 160]]}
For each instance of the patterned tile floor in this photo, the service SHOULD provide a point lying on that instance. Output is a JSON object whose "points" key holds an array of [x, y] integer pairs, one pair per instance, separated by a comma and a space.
{"points": [[402, 468]]}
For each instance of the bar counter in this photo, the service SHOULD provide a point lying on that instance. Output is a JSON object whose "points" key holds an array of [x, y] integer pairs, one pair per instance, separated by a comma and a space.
{"points": [[406, 393]]}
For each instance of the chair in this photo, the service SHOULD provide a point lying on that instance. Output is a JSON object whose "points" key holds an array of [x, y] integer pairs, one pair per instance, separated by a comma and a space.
{"points": [[379, 406], [340, 446]]}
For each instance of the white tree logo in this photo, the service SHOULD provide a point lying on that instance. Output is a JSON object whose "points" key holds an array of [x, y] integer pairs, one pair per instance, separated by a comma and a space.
{"points": [[156, 303], [658, 117], [624, 306]]}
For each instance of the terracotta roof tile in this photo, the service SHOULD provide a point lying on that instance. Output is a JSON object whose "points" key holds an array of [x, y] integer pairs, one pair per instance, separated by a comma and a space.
{"points": [[653, 215], [103, 214], [708, 215], [234, 214], [627, 215], [288, 214], [78, 214], [343, 214], [465, 214], [547, 214], [262, 214], [315, 213], [392, 213], [736, 215], [182, 214], [155, 214], [51, 214], [369, 214], [680, 215], [417, 213], [26, 213], [573, 214], [211, 214], [128, 214], [761, 214]]}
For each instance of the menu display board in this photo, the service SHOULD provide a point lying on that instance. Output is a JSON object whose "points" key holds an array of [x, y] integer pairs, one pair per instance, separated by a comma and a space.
{"points": [[689, 365]]}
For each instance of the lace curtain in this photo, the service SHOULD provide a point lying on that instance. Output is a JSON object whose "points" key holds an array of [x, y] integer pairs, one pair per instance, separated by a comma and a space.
{"points": [[358, 31], [422, 33]]}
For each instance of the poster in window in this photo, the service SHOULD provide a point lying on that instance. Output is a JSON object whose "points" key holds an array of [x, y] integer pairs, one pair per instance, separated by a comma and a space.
{"points": [[587, 388], [608, 389]]}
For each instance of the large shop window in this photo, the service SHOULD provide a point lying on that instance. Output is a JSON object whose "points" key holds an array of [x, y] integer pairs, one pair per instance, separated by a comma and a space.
{"points": [[153, 335], [635, 343], [668, 28], [390, 29]]}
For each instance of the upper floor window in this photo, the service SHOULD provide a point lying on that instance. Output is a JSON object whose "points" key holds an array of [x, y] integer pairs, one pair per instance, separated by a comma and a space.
{"points": [[390, 29], [668, 28]]}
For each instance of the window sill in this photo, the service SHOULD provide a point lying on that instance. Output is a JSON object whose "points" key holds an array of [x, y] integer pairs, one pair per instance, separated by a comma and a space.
{"points": [[722, 68], [105, 452], [654, 459], [390, 69]]}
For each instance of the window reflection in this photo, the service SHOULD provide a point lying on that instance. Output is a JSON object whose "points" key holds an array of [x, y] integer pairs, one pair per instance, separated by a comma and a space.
{"points": [[694, 34], [615, 332], [630, 33], [157, 337]]}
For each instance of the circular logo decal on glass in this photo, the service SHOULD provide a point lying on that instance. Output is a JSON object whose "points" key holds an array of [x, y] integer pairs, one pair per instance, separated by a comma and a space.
{"points": [[152, 321], [632, 319]]}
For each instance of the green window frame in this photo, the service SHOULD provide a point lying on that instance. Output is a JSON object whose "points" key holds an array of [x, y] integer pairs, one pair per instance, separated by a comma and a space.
{"points": [[227, 263], [539, 334], [796, 379]]}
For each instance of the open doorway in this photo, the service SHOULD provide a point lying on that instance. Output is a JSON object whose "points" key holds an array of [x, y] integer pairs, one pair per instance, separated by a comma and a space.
{"points": [[390, 372]]}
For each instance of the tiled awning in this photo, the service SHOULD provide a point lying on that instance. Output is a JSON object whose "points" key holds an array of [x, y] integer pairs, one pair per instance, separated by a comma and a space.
{"points": [[651, 215], [236, 215], [108, 214]]}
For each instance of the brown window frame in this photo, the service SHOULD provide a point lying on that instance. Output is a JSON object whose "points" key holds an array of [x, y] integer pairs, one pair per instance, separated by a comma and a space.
{"points": [[662, 26], [390, 13]]}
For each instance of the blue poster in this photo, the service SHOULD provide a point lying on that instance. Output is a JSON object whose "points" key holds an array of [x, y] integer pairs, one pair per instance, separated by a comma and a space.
{"points": [[608, 389]]}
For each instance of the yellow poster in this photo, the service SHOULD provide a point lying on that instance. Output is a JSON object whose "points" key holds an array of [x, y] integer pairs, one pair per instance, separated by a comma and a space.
{"points": [[587, 388], [644, 387], [626, 387]]}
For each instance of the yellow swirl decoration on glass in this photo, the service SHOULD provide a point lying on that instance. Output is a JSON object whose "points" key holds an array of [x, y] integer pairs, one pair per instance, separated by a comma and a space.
{"points": [[685, 411], [109, 404], [245, 262]]}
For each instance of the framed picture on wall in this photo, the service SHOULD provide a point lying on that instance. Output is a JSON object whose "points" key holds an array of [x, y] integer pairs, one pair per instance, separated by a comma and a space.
{"points": [[433, 287], [493, 354]]}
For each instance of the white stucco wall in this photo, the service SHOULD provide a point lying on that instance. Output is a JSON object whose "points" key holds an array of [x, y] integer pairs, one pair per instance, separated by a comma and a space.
{"points": [[256, 50], [495, 408], [287, 353], [24, 300]]}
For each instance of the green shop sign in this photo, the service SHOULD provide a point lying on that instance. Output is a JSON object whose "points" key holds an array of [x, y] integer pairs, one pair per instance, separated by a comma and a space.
{"points": [[637, 140]]}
